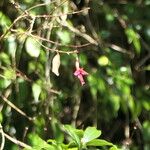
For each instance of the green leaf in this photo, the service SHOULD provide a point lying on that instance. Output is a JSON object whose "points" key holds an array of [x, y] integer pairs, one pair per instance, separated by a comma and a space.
{"points": [[99, 142], [36, 89], [72, 132], [109, 17], [57, 132], [39, 143], [114, 148], [32, 47], [147, 68], [146, 104], [5, 58], [12, 45], [4, 21], [75, 148], [64, 36], [146, 130], [10, 74], [90, 134], [103, 61], [137, 45], [115, 99], [4, 83], [133, 37]]}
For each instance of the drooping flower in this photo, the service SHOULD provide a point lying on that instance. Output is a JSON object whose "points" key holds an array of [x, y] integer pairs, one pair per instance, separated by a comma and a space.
{"points": [[80, 72]]}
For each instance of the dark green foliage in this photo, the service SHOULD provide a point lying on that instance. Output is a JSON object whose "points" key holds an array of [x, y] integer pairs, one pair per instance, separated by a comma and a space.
{"points": [[40, 44]]}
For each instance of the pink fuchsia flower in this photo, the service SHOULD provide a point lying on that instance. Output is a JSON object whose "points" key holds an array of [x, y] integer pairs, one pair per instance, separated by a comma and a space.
{"points": [[80, 73]]}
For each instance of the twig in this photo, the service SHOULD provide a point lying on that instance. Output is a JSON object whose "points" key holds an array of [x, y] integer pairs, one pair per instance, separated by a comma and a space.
{"points": [[93, 31], [54, 91], [90, 112], [6, 94], [85, 36], [19, 143], [25, 133], [18, 7], [22, 75], [48, 56], [76, 31], [120, 19], [57, 43], [76, 110], [15, 107], [39, 5], [3, 138], [56, 50], [141, 62], [18, 73], [147, 47], [52, 42], [16, 20], [58, 6], [119, 49], [31, 24], [147, 57], [62, 14]]}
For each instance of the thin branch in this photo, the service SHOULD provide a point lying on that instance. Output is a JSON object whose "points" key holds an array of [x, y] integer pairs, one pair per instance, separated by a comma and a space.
{"points": [[52, 42], [31, 24], [76, 31], [11, 26], [146, 46], [15, 107], [142, 61], [57, 43], [120, 49], [22, 75], [147, 57], [120, 19], [3, 138], [56, 50], [25, 133], [58, 6], [39, 5], [18, 7], [18, 73], [93, 31], [48, 56], [54, 91], [17, 142], [76, 110], [62, 14]]}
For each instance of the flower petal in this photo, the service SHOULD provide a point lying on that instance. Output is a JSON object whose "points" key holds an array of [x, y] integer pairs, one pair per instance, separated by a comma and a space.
{"points": [[80, 73], [80, 77], [76, 73], [83, 72]]}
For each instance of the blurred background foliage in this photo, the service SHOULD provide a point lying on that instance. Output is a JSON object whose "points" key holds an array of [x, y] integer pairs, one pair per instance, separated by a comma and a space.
{"points": [[116, 96]]}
